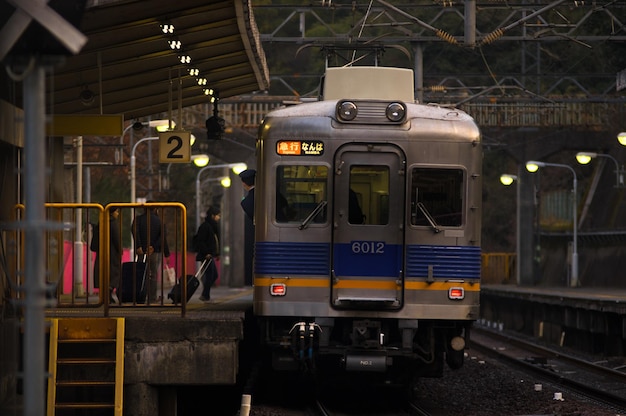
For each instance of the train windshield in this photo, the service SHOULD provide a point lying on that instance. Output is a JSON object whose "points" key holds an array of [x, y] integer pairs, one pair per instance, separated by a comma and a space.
{"points": [[299, 190], [437, 197]]}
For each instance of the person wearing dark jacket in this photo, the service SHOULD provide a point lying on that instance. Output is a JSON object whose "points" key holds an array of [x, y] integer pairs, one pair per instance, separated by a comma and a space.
{"points": [[115, 253], [248, 177], [151, 240], [208, 248]]}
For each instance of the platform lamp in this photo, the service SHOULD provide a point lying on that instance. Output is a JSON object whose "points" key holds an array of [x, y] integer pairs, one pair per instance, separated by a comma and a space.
{"points": [[237, 169], [533, 166], [159, 125], [507, 179], [585, 157], [199, 160]]}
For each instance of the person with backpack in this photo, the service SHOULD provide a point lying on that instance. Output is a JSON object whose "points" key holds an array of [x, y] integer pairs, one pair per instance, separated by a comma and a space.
{"points": [[207, 245]]}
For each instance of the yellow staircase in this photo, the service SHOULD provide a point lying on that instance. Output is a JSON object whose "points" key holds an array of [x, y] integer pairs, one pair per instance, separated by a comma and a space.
{"points": [[86, 365]]}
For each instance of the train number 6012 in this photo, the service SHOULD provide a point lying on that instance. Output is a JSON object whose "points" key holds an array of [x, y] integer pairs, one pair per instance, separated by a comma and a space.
{"points": [[368, 247]]}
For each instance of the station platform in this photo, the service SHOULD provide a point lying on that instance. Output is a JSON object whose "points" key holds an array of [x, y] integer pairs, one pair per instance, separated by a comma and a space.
{"points": [[591, 320], [164, 351]]}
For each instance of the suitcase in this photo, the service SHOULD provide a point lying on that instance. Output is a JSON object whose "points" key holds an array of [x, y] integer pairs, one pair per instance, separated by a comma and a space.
{"points": [[133, 272], [193, 282]]}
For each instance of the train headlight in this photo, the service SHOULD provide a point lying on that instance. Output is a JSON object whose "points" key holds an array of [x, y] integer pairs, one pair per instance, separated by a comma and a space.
{"points": [[347, 111], [395, 112], [278, 289], [457, 343], [456, 293]]}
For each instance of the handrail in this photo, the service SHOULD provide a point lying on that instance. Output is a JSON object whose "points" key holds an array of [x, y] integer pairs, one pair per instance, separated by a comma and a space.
{"points": [[69, 273]]}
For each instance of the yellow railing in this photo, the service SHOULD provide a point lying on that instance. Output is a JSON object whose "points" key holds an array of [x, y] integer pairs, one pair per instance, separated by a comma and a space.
{"points": [[70, 264], [498, 268]]}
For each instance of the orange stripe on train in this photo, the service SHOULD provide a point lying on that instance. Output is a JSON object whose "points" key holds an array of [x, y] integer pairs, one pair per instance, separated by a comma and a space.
{"points": [[365, 284]]}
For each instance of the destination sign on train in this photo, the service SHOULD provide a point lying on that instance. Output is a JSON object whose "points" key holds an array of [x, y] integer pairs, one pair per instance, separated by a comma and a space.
{"points": [[300, 148]]}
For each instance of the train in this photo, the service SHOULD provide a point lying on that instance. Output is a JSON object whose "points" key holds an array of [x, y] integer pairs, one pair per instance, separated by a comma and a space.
{"points": [[367, 254]]}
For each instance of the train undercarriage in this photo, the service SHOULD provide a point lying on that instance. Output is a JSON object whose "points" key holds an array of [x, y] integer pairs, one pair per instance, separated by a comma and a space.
{"points": [[392, 349]]}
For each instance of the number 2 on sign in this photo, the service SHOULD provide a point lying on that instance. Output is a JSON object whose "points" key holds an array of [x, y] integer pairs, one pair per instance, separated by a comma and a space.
{"points": [[178, 144]]}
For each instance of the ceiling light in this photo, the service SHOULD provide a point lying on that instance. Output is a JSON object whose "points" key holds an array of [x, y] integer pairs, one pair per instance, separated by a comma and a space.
{"points": [[194, 72], [175, 44], [184, 59], [167, 28], [201, 81]]}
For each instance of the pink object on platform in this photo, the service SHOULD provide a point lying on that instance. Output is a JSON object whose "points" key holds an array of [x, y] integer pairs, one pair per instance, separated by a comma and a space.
{"points": [[175, 261]]}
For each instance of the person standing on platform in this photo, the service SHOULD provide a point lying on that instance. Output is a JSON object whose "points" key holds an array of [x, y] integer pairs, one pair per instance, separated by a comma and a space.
{"points": [[152, 242], [247, 203], [115, 253], [208, 247]]}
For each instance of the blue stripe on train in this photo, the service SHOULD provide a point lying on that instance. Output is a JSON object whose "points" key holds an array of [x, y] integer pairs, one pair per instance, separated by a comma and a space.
{"points": [[292, 258], [449, 262], [350, 261]]}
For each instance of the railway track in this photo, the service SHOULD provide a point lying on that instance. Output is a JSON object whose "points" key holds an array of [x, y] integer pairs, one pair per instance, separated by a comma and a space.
{"points": [[501, 376], [580, 376], [398, 409]]}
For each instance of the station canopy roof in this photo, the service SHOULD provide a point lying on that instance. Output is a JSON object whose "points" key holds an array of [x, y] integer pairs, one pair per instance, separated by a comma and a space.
{"points": [[127, 65]]}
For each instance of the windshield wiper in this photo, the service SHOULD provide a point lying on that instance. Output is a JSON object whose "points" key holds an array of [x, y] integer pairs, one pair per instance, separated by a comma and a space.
{"points": [[429, 217], [313, 214]]}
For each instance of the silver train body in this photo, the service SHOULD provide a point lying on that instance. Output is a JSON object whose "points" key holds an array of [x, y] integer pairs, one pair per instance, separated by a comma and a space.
{"points": [[367, 227]]}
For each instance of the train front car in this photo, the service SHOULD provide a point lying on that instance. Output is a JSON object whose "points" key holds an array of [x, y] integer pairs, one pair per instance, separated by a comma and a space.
{"points": [[368, 217]]}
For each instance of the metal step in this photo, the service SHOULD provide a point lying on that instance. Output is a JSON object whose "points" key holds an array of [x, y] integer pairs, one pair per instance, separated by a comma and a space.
{"points": [[86, 364]]}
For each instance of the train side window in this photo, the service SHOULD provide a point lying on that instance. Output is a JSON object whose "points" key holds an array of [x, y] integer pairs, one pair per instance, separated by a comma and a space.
{"points": [[437, 193], [299, 189]]}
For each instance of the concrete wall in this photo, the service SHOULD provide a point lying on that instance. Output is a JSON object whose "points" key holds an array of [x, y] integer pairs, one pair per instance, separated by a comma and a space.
{"points": [[202, 349]]}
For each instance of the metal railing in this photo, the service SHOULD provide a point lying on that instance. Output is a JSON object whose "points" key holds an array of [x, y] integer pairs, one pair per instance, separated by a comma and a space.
{"points": [[78, 277], [498, 268]]}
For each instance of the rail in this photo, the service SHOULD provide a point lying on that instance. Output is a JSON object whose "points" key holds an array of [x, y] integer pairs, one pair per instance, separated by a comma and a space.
{"points": [[81, 261]]}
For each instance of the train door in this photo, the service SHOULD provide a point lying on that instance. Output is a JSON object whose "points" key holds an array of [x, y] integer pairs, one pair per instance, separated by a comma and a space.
{"points": [[368, 217]]}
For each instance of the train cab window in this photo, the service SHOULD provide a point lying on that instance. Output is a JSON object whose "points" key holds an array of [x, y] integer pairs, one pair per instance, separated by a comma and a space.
{"points": [[368, 198], [299, 191], [437, 197]]}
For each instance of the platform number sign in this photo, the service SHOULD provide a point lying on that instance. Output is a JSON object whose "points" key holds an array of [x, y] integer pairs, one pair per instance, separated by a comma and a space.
{"points": [[175, 147]]}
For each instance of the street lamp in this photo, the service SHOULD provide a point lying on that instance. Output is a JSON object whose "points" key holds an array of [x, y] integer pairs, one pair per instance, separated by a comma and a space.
{"points": [[133, 163], [533, 166], [621, 138], [585, 157], [200, 160], [159, 125], [236, 167], [507, 180]]}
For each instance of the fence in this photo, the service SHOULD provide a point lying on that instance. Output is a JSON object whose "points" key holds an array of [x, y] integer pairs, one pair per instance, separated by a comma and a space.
{"points": [[498, 268], [72, 275]]}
